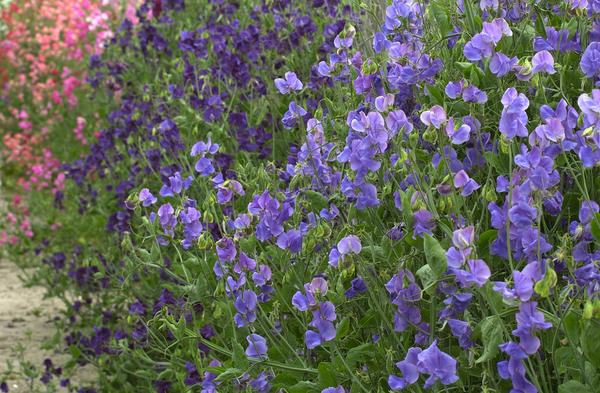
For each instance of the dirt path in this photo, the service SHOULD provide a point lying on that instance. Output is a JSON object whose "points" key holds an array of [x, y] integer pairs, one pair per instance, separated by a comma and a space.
{"points": [[27, 318]]}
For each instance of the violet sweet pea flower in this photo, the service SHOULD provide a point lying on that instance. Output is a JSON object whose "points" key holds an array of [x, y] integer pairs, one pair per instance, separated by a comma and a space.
{"points": [[590, 61], [543, 61], [291, 82], [436, 116], [514, 118], [257, 348], [500, 64], [146, 197], [462, 180]]}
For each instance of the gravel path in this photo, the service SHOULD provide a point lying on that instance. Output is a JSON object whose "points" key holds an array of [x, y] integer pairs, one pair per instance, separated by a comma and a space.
{"points": [[26, 318]]}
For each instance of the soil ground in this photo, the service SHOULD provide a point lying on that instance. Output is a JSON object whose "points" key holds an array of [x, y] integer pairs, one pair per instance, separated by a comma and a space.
{"points": [[27, 319]]}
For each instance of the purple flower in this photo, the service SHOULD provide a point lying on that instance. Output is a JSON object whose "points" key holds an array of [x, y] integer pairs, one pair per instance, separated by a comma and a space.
{"points": [[529, 320], [291, 82], [522, 215], [543, 61], [380, 42], [349, 244], [590, 61], [291, 240], [438, 365], [454, 89], [514, 118], [245, 304], [436, 116], [409, 369], [257, 348], [244, 263], [501, 65], [482, 44], [358, 287], [460, 135], [146, 197], [338, 389], [293, 113], [424, 223], [431, 361], [462, 331], [473, 94], [590, 106], [462, 180], [262, 276], [226, 250], [176, 185], [367, 196], [479, 274], [325, 332], [261, 383]]}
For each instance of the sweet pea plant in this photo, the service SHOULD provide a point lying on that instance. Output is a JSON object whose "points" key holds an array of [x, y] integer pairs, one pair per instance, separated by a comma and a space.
{"points": [[295, 202]]}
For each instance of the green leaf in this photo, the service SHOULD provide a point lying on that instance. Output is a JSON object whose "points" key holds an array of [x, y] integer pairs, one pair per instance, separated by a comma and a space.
{"points": [[327, 375], [436, 94], [229, 374], [427, 277], [239, 356], [564, 358], [342, 328], [540, 29], [316, 199], [590, 342], [441, 18], [573, 387], [435, 255], [302, 387], [491, 335], [595, 226], [375, 252], [359, 353], [75, 352], [283, 381], [573, 327]]}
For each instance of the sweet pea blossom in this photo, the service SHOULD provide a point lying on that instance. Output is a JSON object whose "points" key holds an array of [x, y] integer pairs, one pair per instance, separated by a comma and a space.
{"points": [[146, 197], [348, 245], [431, 361], [293, 113], [514, 118], [462, 180], [436, 116], [291, 82], [590, 61], [500, 64], [543, 62], [257, 348]]}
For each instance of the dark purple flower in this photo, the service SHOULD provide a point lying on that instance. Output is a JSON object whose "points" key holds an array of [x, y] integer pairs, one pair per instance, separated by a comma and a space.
{"points": [[358, 287]]}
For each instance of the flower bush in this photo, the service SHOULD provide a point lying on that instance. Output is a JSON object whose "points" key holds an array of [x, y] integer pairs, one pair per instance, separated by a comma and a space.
{"points": [[314, 196]]}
